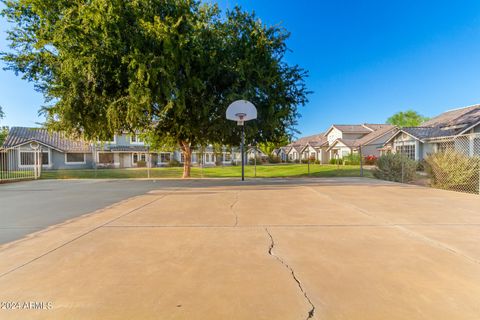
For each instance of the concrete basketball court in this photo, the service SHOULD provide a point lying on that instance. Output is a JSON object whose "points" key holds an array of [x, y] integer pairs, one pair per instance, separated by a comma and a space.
{"points": [[265, 249]]}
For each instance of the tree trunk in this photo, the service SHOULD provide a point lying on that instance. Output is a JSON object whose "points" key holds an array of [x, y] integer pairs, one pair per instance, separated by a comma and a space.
{"points": [[187, 158]]}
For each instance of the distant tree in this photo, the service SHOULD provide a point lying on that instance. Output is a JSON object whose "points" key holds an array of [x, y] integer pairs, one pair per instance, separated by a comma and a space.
{"points": [[409, 118], [3, 134], [3, 130], [168, 68]]}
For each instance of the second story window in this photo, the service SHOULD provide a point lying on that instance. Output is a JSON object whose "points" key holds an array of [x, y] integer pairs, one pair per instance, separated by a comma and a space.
{"points": [[135, 139]]}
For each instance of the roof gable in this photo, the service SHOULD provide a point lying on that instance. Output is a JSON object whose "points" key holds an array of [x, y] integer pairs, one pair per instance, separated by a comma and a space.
{"points": [[21, 135]]}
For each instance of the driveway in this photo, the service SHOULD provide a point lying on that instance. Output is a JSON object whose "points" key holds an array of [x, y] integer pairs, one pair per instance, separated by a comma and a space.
{"points": [[265, 249]]}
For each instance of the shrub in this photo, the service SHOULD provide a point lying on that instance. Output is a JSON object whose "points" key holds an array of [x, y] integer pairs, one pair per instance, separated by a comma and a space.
{"points": [[274, 159], [174, 163], [351, 159], [421, 165], [389, 167], [141, 164], [251, 161], [296, 161], [452, 170], [334, 161], [370, 160], [317, 161], [304, 161]]}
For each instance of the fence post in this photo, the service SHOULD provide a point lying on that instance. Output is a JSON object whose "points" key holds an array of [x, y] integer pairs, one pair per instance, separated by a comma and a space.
{"points": [[149, 159], [403, 164], [308, 161], [361, 160], [255, 160]]}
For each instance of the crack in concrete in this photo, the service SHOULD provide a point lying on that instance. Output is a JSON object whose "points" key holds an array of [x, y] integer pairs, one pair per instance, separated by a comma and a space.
{"points": [[233, 211], [311, 312]]}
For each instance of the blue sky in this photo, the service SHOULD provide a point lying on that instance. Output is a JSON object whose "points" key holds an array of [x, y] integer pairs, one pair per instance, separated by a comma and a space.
{"points": [[366, 59]]}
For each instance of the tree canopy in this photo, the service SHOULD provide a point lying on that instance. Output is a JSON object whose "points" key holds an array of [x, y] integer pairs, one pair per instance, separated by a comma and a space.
{"points": [[168, 69], [409, 118]]}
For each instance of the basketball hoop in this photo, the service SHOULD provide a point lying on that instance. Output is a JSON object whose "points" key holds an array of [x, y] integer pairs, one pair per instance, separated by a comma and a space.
{"points": [[241, 111]]}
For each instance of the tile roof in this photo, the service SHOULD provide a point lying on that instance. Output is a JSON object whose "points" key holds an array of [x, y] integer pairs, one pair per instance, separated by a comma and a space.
{"points": [[297, 147], [464, 116], [316, 138], [428, 132], [21, 135], [382, 130], [447, 124], [355, 128], [377, 126]]}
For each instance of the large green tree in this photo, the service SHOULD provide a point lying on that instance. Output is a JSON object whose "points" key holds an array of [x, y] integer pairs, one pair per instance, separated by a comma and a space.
{"points": [[168, 68], [409, 118]]}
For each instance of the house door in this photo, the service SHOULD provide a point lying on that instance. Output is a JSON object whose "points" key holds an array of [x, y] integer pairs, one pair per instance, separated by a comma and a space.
{"points": [[122, 161]]}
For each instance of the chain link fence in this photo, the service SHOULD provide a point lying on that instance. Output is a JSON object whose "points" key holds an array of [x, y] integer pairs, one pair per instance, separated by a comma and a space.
{"points": [[455, 164]]}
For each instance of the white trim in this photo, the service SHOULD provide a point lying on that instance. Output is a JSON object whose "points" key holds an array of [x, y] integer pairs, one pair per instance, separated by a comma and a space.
{"points": [[401, 131], [139, 157], [20, 165], [469, 128], [73, 163], [30, 141], [141, 143]]}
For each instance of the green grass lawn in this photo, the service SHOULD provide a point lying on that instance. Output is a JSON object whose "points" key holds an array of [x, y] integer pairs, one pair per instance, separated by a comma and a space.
{"points": [[265, 171]]}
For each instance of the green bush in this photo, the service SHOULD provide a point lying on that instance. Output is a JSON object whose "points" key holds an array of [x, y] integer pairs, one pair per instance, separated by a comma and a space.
{"points": [[174, 163], [335, 161], [251, 161], [452, 170], [317, 161], [304, 161], [351, 159], [274, 159], [141, 164], [390, 167]]}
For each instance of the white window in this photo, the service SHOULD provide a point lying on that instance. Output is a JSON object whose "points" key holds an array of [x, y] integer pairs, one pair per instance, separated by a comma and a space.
{"points": [[139, 157], [164, 157], [227, 157], [408, 150], [135, 139], [74, 158], [27, 158], [182, 158]]}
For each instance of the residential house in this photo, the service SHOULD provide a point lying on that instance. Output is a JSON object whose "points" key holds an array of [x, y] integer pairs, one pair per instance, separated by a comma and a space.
{"points": [[124, 151], [458, 128], [346, 139], [295, 152], [281, 153], [57, 151], [313, 147]]}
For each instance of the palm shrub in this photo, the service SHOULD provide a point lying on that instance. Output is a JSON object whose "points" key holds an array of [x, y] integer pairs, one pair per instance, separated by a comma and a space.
{"points": [[395, 167], [452, 170]]}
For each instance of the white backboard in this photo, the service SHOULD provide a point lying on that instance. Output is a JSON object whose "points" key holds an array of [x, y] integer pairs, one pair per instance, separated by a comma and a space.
{"points": [[241, 110]]}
